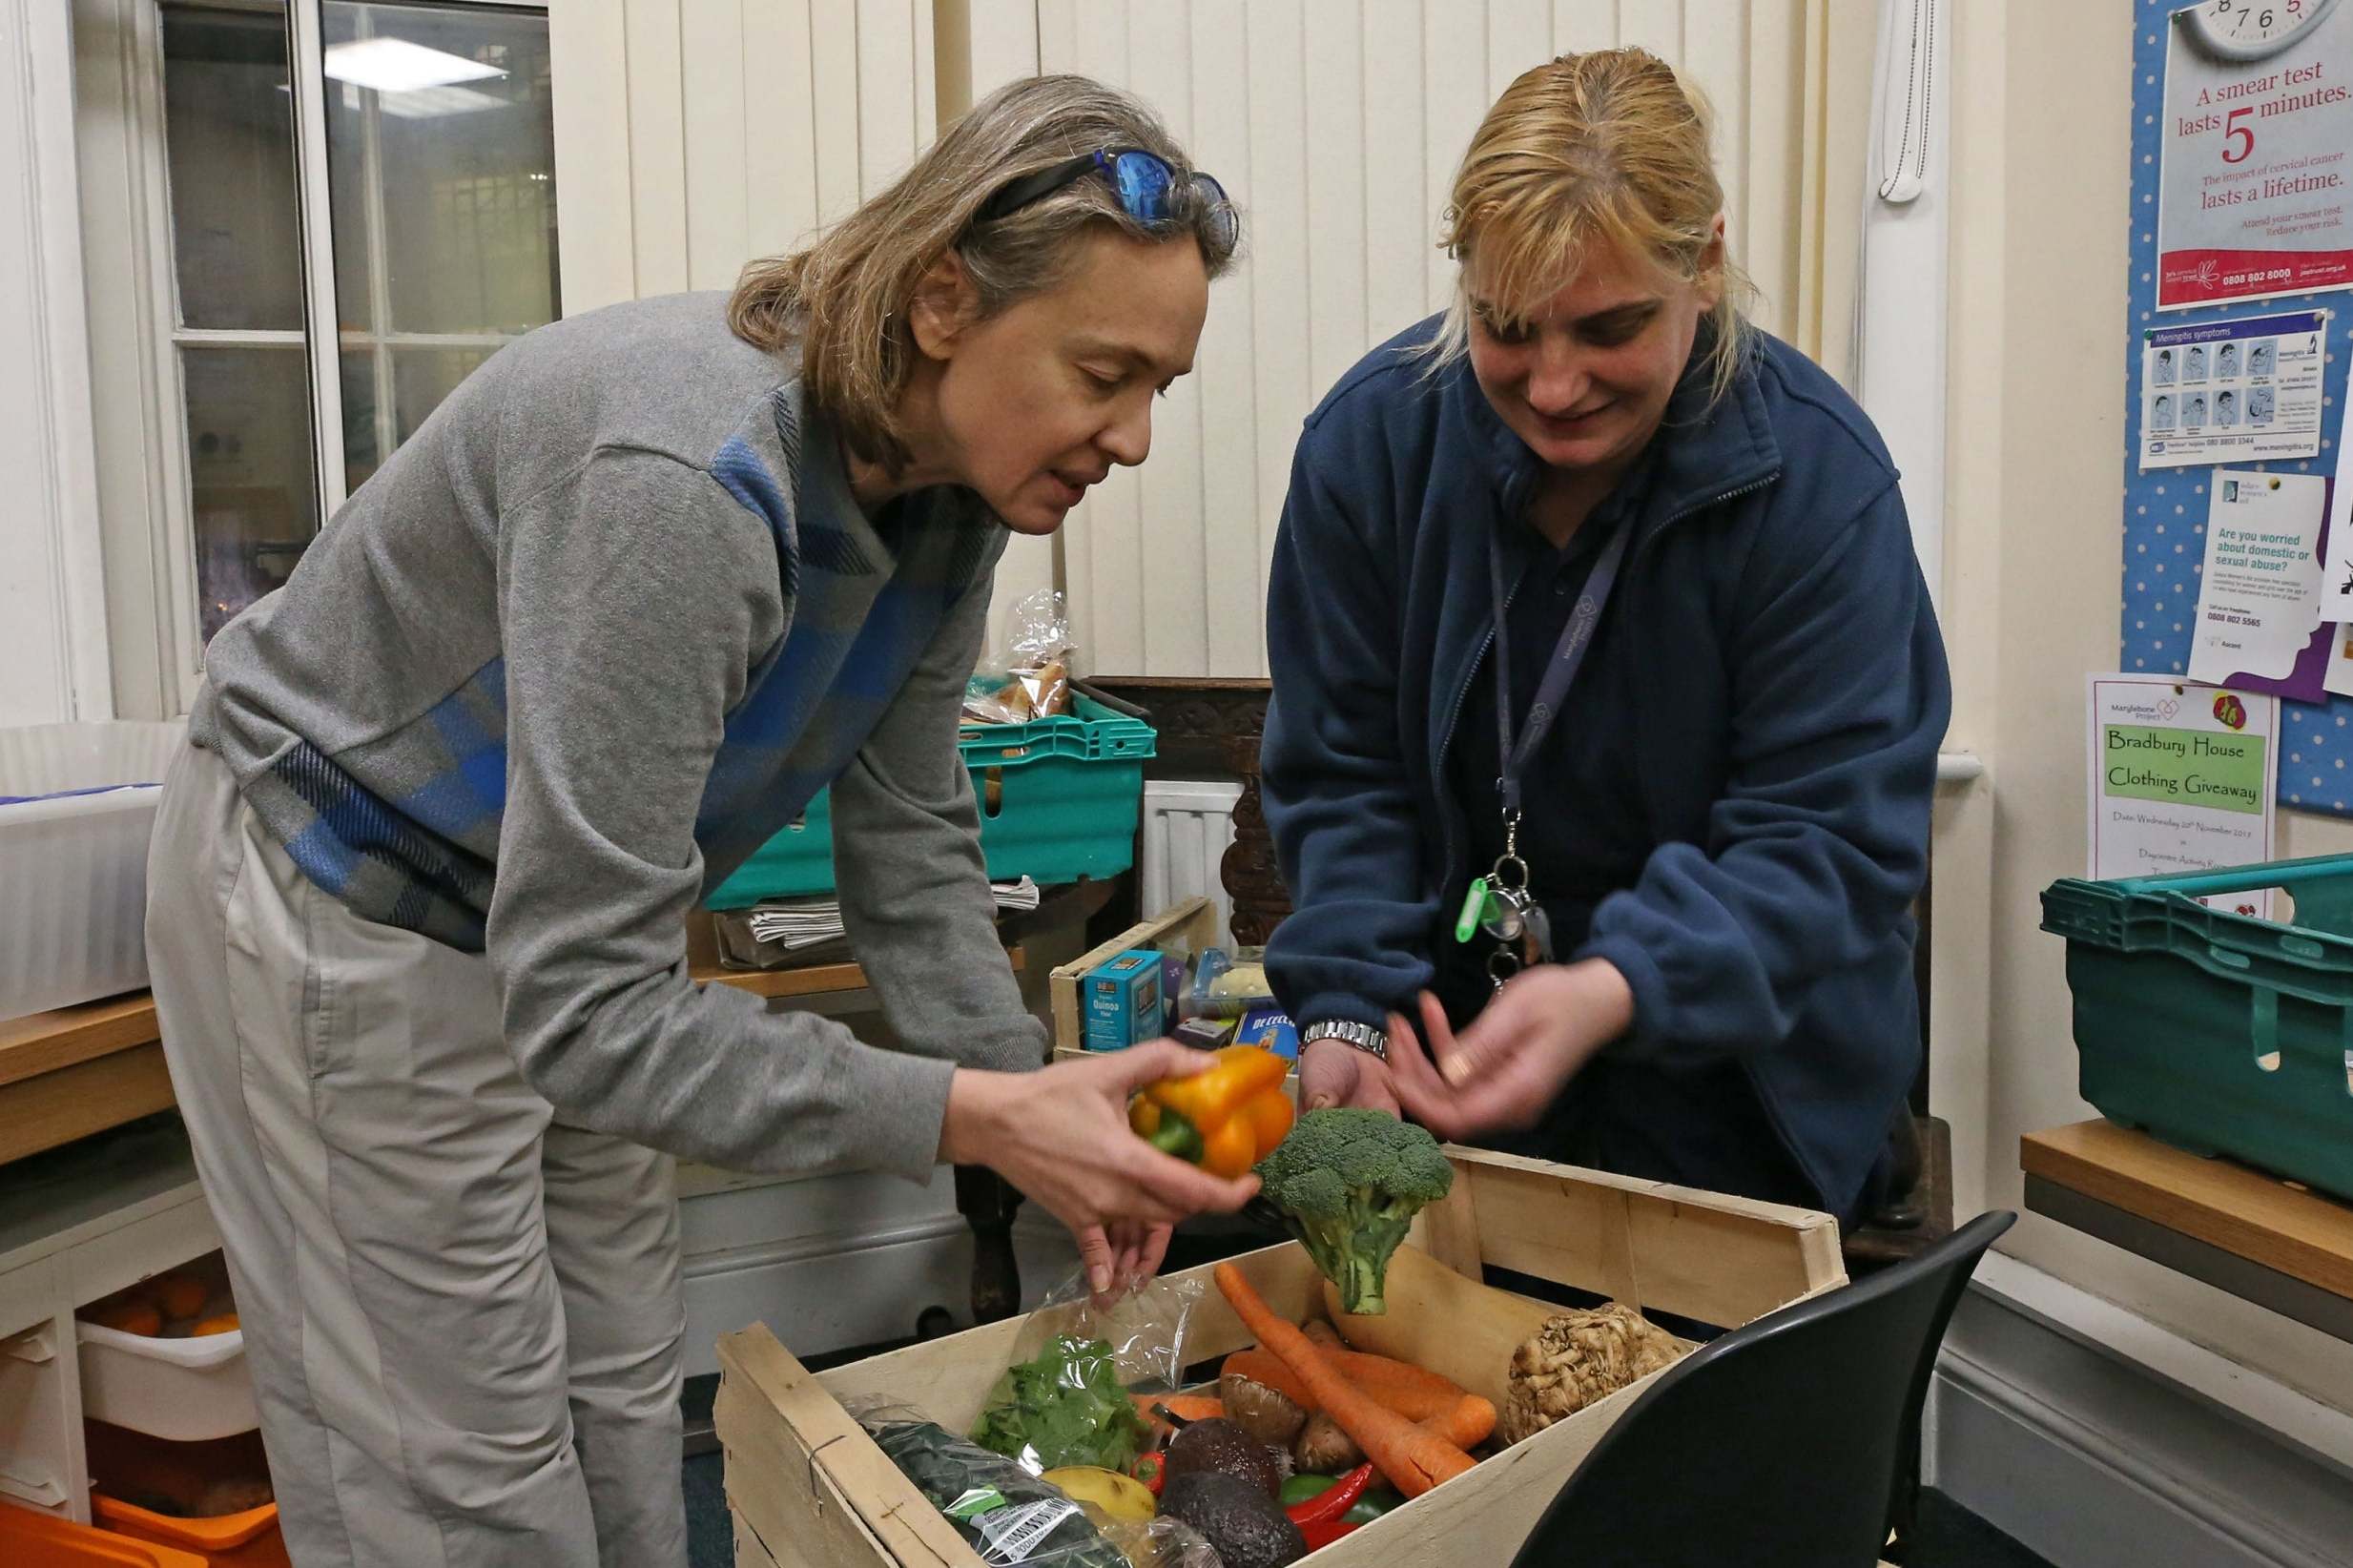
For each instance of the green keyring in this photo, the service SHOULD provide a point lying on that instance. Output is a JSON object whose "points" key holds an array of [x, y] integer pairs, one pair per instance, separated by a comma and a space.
{"points": [[1473, 910]]}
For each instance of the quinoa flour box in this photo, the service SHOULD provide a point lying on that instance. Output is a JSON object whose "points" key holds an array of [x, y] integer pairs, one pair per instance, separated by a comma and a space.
{"points": [[1122, 1000]]}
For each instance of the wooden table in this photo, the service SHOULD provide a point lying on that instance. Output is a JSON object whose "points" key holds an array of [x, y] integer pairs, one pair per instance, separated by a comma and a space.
{"points": [[2269, 1241], [73, 1071]]}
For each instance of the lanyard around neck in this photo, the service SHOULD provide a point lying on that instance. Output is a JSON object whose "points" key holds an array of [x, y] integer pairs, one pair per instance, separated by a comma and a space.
{"points": [[1568, 655]]}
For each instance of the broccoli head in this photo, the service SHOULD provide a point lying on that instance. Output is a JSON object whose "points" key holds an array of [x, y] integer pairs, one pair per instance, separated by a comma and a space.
{"points": [[1348, 1182]]}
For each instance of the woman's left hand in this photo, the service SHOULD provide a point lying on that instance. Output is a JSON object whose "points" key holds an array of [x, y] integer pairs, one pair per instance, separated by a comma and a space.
{"points": [[1503, 1071], [1137, 1251]]}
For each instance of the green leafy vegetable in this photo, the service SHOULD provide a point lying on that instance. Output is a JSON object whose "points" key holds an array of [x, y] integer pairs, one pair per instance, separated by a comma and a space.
{"points": [[1066, 1407]]}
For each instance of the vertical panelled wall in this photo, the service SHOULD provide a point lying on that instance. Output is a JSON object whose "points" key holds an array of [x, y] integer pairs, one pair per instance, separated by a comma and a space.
{"points": [[692, 134], [1336, 125]]}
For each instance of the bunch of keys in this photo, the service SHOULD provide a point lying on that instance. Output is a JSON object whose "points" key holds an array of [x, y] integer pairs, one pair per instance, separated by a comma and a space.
{"points": [[1500, 904]]}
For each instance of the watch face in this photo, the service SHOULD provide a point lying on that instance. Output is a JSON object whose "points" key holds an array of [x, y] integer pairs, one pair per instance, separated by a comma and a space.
{"points": [[2251, 30]]}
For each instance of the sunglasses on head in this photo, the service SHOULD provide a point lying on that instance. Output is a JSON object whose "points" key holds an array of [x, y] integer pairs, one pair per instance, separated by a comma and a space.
{"points": [[1143, 183]]}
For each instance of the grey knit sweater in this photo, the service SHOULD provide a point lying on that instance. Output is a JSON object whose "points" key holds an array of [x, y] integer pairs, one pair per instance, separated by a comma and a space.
{"points": [[607, 621]]}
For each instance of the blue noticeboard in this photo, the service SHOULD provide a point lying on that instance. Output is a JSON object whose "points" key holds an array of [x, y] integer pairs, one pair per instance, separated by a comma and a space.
{"points": [[2165, 508]]}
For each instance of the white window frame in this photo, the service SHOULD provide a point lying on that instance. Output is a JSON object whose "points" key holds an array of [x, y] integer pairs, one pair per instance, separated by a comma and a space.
{"points": [[149, 535]]}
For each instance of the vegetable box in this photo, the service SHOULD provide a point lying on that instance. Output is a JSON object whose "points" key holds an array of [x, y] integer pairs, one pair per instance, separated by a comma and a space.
{"points": [[808, 1489]]}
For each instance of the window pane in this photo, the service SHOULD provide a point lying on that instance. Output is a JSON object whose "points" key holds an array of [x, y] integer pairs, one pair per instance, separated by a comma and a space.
{"points": [[229, 146], [422, 377], [448, 111], [363, 448], [249, 456]]}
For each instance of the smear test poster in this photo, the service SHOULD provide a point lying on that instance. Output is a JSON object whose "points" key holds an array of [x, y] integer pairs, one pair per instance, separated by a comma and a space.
{"points": [[2252, 195]]}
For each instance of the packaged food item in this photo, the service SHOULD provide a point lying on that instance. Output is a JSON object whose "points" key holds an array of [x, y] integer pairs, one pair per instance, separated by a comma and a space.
{"points": [[1269, 1029], [1204, 1034], [1122, 1000], [1067, 1397], [1032, 680]]}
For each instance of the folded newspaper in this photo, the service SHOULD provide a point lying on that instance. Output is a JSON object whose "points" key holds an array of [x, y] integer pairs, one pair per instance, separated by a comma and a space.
{"points": [[805, 922]]}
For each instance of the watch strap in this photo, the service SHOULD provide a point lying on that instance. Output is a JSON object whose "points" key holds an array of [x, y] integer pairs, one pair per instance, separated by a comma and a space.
{"points": [[1374, 1042]]}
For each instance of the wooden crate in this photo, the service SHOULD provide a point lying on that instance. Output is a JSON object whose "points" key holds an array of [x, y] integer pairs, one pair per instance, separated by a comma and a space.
{"points": [[1194, 922], [808, 1489]]}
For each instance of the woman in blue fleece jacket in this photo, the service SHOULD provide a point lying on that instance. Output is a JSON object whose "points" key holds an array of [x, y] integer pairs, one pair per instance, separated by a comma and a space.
{"points": [[1589, 587]]}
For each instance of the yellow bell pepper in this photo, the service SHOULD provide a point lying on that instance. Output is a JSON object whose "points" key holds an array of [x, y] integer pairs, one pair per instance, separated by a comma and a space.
{"points": [[1223, 1119]]}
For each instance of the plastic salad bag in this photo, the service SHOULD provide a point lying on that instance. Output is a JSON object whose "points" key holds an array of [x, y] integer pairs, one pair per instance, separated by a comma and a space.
{"points": [[1066, 1398]]}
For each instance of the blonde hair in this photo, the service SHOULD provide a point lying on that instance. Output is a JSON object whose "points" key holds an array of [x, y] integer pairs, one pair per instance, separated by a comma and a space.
{"points": [[843, 300], [1603, 147]]}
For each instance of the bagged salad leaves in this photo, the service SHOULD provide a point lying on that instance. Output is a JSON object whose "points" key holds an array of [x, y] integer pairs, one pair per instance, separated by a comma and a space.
{"points": [[1066, 1398]]}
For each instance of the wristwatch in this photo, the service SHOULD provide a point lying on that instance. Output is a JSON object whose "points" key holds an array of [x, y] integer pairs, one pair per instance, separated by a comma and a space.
{"points": [[1363, 1035]]}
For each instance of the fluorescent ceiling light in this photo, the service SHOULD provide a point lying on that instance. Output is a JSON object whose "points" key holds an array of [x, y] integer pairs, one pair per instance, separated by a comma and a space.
{"points": [[427, 102], [395, 65]]}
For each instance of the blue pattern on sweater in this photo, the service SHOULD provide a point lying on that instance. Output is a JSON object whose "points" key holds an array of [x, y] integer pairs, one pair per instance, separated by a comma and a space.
{"points": [[857, 626]]}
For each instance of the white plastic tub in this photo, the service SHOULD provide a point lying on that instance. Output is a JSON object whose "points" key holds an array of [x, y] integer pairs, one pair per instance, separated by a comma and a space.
{"points": [[186, 1390], [79, 799]]}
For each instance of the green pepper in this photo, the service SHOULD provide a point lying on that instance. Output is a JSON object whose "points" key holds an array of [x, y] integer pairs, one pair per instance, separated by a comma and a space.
{"points": [[1300, 1488], [1375, 1502]]}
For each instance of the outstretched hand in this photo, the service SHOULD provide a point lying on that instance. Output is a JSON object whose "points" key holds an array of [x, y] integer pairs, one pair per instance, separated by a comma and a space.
{"points": [[1501, 1073]]}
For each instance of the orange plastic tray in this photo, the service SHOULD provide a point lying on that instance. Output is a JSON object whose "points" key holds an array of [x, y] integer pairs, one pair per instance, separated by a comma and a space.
{"points": [[130, 1464], [230, 1540], [40, 1540]]}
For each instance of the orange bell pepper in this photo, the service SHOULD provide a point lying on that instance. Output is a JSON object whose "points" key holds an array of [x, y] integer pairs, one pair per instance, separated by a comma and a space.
{"points": [[1225, 1119]]}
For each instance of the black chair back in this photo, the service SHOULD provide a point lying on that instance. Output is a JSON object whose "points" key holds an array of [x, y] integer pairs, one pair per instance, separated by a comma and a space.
{"points": [[1776, 1446]]}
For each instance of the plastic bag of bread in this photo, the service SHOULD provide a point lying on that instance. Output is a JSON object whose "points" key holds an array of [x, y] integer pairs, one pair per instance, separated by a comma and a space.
{"points": [[1032, 681]]}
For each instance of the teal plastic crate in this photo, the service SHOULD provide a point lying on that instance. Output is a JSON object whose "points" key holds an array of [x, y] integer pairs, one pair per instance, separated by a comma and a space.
{"points": [[2215, 1031], [1059, 800]]}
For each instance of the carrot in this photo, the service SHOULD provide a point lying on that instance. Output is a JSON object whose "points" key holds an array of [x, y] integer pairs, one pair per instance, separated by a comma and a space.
{"points": [[1415, 1392], [1422, 1396], [1190, 1406], [1413, 1460]]}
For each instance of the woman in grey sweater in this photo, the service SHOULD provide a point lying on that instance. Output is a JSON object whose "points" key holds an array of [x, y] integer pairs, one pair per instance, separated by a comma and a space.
{"points": [[644, 583]]}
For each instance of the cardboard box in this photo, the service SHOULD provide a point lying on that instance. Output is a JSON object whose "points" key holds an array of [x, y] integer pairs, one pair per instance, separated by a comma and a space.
{"points": [[808, 1489], [1191, 925], [1123, 1002]]}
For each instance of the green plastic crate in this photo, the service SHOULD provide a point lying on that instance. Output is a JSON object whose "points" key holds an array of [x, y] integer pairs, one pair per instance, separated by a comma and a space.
{"points": [[2215, 1031], [1058, 800]]}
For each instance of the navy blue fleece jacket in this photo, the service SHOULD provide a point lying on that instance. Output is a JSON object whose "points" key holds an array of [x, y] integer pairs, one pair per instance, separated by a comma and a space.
{"points": [[1796, 691]]}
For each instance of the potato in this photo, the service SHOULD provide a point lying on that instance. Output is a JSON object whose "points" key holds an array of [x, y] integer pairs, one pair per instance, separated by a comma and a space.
{"points": [[1324, 1448]]}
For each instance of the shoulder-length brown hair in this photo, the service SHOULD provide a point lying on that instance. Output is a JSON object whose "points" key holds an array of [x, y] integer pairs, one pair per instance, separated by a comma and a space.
{"points": [[842, 301]]}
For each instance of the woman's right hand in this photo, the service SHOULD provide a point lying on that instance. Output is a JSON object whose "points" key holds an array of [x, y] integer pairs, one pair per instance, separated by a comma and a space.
{"points": [[1333, 1072], [1061, 1135]]}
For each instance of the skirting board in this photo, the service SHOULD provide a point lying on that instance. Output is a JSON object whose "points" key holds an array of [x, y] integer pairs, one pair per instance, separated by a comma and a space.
{"points": [[2092, 1463]]}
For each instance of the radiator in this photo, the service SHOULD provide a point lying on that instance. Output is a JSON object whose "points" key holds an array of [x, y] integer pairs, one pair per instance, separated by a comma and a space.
{"points": [[1187, 826]]}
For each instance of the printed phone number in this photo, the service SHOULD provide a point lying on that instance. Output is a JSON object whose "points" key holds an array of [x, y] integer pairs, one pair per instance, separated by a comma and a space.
{"points": [[2275, 275]]}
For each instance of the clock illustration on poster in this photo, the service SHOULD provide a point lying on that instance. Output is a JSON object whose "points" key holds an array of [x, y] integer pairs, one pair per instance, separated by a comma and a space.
{"points": [[2250, 30]]}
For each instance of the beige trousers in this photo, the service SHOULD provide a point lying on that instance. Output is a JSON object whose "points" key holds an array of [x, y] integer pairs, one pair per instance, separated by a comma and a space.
{"points": [[462, 1317]]}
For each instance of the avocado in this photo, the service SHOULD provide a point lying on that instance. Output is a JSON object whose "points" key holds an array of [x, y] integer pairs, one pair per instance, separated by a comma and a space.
{"points": [[1245, 1525], [1219, 1444]]}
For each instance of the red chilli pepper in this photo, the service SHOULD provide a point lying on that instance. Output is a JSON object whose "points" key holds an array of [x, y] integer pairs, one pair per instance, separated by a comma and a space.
{"points": [[1153, 1470], [1322, 1535], [1328, 1505]]}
